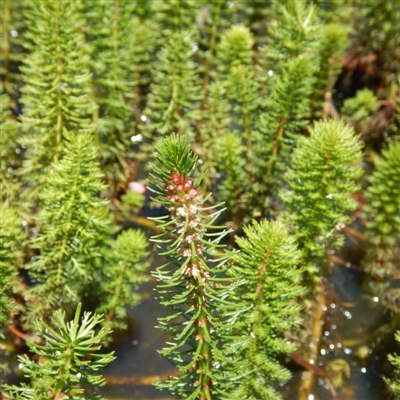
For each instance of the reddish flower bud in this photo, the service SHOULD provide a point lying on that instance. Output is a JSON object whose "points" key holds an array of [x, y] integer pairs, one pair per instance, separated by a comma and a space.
{"points": [[188, 183], [187, 197], [179, 188], [175, 178], [170, 188], [170, 197], [193, 192], [176, 198]]}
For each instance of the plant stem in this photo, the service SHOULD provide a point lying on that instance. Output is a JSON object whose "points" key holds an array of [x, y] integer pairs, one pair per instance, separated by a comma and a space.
{"points": [[316, 334]]}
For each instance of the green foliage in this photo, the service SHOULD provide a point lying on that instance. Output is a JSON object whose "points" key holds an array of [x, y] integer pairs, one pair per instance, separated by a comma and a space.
{"points": [[330, 48], [335, 11], [360, 109], [75, 227], [383, 211], [123, 274], [13, 21], [212, 20], [242, 92], [131, 203], [11, 243], [321, 181], [105, 79], [56, 94], [216, 123], [394, 384], [292, 32], [234, 184], [141, 46], [283, 123], [378, 22], [9, 161], [174, 93], [268, 261], [110, 33], [68, 359], [190, 283], [235, 48], [175, 16]]}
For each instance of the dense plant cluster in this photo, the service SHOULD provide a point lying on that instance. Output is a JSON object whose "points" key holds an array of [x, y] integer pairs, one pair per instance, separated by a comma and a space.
{"points": [[268, 132]]}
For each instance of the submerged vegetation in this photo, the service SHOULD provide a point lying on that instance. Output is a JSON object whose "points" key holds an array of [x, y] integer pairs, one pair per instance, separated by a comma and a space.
{"points": [[268, 134]]}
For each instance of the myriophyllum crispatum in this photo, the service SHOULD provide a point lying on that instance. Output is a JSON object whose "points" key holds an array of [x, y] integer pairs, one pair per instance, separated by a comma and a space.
{"points": [[383, 210], [269, 262], [68, 362], [191, 283], [323, 178]]}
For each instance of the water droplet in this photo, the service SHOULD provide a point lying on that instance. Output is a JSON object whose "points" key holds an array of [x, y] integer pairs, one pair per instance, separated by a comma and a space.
{"points": [[13, 33], [143, 117], [363, 370], [270, 72], [137, 138], [329, 196], [347, 314], [376, 299]]}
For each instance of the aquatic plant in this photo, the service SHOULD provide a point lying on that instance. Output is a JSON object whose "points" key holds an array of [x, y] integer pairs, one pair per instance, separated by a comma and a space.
{"points": [[268, 260], [68, 359], [192, 281], [109, 32], [324, 174], [56, 94], [122, 274], [12, 237], [9, 162], [75, 226], [243, 83], [383, 212], [394, 384], [175, 94]]}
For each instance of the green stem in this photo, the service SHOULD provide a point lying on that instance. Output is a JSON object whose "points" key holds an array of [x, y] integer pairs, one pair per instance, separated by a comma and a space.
{"points": [[206, 81], [5, 44], [245, 108], [204, 364], [66, 238], [57, 84]]}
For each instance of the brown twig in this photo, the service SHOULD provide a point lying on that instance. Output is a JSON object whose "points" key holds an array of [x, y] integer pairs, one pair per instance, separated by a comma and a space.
{"points": [[15, 331]]}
